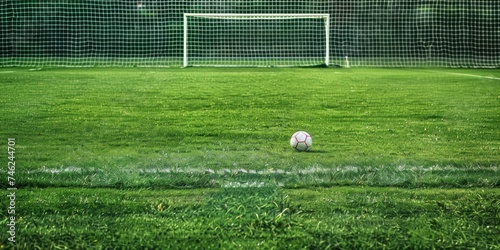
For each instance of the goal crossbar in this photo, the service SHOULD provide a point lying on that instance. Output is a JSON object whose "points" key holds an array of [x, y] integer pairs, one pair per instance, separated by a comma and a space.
{"points": [[239, 16], [258, 16]]}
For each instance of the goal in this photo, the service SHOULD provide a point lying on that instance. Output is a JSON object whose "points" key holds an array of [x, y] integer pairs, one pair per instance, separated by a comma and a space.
{"points": [[256, 40]]}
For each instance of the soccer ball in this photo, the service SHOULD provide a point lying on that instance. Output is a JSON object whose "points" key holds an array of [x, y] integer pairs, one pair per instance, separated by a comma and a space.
{"points": [[301, 141]]}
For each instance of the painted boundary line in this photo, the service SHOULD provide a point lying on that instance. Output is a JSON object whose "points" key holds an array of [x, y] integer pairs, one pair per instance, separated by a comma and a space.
{"points": [[272, 171], [477, 76], [463, 74], [272, 177]]}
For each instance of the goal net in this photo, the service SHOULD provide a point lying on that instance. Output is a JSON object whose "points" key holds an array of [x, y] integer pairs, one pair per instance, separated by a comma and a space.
{"points": [[260, 40], [361, 33]]}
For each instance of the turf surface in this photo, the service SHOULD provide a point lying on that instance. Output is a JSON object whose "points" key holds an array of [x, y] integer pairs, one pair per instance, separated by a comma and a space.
{"points": [[226, 118], [266, 217], [151, 157]]}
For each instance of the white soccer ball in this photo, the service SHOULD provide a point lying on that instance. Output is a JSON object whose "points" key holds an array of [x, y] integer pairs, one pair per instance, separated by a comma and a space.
{"points": [[301, 141]]}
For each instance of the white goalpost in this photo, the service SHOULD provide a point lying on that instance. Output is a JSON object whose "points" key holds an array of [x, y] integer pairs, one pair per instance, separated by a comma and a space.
{"points": [[256, 40]]}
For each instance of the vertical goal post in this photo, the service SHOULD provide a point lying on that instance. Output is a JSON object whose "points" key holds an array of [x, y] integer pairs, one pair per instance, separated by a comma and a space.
{"points": [[325, 43]]}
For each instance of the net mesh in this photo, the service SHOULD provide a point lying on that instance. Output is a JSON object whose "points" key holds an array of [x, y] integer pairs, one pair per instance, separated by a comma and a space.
{"points": [[386, 33]]}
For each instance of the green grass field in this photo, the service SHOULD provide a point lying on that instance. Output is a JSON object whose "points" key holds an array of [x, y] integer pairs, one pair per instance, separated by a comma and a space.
{"points": [[198, 158]]}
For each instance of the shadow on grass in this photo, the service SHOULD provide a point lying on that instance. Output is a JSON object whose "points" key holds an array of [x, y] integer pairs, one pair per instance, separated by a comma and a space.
{"points": [[316, 152]]}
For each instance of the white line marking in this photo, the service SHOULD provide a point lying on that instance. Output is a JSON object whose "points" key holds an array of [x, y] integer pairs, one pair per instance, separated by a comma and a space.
{"points": [[273, 171], [478, 76]]}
